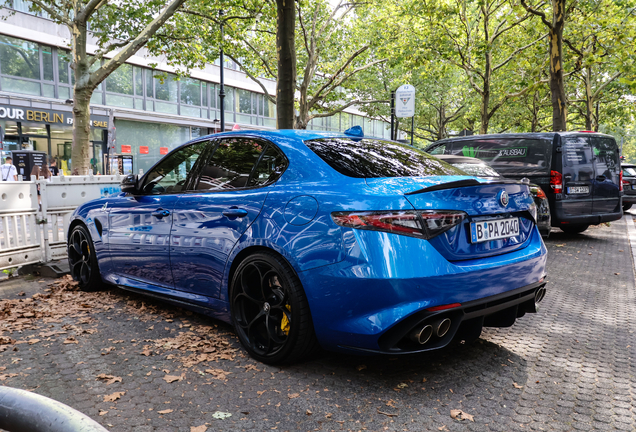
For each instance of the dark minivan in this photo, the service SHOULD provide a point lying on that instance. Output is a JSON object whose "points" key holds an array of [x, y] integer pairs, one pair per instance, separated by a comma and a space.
{"points": [[579, 171]]}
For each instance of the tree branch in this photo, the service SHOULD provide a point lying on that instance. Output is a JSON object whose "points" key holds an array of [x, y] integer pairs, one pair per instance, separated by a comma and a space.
{"points": [[537, 13], [253, 78], [53, 13], [88, 10], [345, 106], [515, 52], [129, 50]]}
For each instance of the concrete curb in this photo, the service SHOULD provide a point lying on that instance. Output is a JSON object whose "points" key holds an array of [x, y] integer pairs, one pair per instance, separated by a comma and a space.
{"points": [[631, 235]]}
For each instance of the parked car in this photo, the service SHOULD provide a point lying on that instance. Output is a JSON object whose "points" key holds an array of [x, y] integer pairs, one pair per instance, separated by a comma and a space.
{"points": [[479, 168], [302, 238], [579, 171], [629, 185]]}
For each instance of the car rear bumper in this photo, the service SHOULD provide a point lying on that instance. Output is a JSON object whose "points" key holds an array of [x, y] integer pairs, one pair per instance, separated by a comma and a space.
{"points": [[560, 217], [356, 302], [629, 199]]}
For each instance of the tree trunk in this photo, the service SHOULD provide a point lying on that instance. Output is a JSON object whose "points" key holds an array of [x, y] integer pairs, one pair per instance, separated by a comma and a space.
{"points": [[286, 83], [82, 92], [589, 100], [557, 86], [485, 94]]}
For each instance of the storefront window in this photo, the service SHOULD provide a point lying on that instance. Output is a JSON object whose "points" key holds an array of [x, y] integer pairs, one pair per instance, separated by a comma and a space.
{"points": [[151, 135], [191, 91], [165, 87], [121, 80], [244, 101], [19, 58]]}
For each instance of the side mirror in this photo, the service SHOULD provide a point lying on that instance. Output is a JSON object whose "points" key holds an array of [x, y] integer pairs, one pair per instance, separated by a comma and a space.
{"points": [[129, 184]]}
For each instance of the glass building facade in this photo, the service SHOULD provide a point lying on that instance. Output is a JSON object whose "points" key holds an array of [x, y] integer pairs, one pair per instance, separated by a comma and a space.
{"points": [[154, 98]]}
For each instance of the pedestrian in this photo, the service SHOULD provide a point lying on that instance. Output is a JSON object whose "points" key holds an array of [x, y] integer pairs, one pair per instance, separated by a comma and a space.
{"points": [[54, 169], [8, 171]]}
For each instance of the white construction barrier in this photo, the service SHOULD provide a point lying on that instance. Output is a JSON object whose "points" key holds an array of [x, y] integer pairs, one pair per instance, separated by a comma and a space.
{"points": [[32, 231]]}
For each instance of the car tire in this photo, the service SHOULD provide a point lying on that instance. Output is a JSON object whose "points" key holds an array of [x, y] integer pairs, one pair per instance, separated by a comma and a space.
{"points": [[270, 311], [574, 229], [82, 260], [627, 207]]}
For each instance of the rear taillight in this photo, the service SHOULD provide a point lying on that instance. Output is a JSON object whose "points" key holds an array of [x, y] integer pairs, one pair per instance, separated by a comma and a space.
{"points": [[541, 194], [423, 224], [556, 181], [622, 182]]}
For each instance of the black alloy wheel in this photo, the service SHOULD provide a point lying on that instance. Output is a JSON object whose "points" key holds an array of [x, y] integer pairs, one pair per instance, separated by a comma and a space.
{"points": [[270, 310], [574, 229], [82, 260]]}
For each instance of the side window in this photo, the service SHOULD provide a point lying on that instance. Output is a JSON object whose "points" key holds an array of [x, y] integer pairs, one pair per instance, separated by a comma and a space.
{"points": [[439, 150], [230, 165], [269, 168], [171, 173]]}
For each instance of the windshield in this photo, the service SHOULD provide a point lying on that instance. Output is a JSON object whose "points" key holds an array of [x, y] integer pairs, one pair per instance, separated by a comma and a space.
{"points": [[370, 158], [476, 169]]}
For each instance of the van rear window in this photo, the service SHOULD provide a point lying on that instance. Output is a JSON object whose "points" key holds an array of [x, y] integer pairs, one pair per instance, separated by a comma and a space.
{"points": [[509, 156]]}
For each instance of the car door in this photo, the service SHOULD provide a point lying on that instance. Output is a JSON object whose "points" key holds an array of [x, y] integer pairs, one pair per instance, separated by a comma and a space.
{"points": [[225, 199], [578, 176], [607, 179], [140, 224]]}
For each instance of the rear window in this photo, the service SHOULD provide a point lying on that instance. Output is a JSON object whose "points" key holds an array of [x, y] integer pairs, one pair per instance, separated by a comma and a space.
{"points": [[477, 169], [368, 158], [629, 172], [509, 156]]}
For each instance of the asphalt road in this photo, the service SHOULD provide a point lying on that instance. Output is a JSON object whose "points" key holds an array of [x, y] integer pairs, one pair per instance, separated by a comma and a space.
{"points": [[569, 367]]}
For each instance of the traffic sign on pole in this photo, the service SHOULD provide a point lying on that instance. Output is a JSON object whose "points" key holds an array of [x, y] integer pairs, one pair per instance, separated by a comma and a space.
{"points": [[405, 101]]}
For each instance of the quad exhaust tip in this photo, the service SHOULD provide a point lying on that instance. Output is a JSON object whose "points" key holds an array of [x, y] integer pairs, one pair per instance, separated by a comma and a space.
{"points": [[422, 335], [441, 327], [539, 295]]}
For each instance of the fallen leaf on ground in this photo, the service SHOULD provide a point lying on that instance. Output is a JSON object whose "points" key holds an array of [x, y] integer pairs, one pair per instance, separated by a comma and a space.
{"points": [[102, 412], [361, 367], [402, 385], [293, 395], [166, 411], [110, 379], [220, 415], [218, 373], [517, 386], [172, 378], [70, 340], [201, 428], [386, 414], [461, 415], [33, 341], [113, 397], [308, 412]]}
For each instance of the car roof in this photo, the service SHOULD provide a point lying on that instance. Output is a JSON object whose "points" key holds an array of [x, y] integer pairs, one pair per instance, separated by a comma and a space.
{"points": [[460, 159], [535, 135]]}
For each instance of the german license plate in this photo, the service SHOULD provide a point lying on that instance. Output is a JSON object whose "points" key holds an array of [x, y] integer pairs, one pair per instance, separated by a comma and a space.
{"points": [[579, 190], [494, 229]]}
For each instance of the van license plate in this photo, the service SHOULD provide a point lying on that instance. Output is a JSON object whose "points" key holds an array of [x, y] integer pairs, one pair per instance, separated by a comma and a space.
{"points": [[494, 230], [579, 190]]}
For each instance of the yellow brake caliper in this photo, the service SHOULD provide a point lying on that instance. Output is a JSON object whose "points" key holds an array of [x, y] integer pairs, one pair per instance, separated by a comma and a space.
{"points": [[284, 323]]}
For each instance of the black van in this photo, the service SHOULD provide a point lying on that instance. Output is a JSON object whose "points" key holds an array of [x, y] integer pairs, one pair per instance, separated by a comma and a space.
{"points": [[579, 171]]}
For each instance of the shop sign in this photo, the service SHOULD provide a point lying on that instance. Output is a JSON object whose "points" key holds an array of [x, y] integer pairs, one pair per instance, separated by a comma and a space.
{"points": [[47, 116], [126, 149], [163, 150]]}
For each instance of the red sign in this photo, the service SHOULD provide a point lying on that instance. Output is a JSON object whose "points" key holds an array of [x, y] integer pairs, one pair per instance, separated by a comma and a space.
{"points": [[143, 149], [126, 149], [163, 150]]}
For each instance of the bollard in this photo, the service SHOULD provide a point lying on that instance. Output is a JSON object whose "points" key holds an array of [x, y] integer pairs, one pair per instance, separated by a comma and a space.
{"points": [[21, 411]]}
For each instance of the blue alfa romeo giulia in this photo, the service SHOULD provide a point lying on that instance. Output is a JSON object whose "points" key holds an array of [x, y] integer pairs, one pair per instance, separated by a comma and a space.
{"points": [[303, 239]]}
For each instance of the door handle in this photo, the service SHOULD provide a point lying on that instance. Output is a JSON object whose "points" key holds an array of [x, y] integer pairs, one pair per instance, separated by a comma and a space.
{"points": [[234, 212], [600, 178], [160, 213]]}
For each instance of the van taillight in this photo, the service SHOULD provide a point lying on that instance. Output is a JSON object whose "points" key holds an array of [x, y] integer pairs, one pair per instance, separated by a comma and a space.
{"points": [[556, 181], [621, 181]]}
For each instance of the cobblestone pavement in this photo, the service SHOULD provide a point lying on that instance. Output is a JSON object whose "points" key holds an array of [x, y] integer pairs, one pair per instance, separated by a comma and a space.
{"points": [[569, 367]]}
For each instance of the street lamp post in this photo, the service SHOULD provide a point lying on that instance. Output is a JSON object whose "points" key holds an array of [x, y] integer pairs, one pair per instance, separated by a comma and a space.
{"points": [[221, 87]]}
